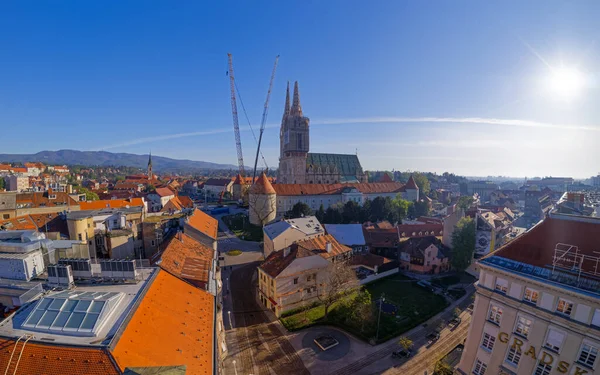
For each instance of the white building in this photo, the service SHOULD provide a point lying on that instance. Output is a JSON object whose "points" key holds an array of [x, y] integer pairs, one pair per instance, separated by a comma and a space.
{"points": [[281, 234], [17, 183]]}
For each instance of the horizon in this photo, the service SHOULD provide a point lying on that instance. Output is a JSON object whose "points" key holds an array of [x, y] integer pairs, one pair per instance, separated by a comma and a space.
{"points": [[476, 90]]}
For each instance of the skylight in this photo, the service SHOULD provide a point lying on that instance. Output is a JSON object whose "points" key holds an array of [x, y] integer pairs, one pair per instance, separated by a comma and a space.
{"points": [[73, 313]]}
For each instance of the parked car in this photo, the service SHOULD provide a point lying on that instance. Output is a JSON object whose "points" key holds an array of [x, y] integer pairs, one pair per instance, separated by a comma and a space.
{"points": [[455, 322], [402, 354], [432, 338]]}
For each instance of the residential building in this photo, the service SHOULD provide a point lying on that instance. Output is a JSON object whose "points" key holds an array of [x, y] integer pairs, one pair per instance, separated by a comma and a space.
{"points": [[34, 169], [297, 165], [492, 230], [426, 255], [537, 303], [557, 184], [18, 183], [8, 205], [178, 204], [202, 227], [482, 188], [537, 204], [53, 225], [159, 198], [292, 277], [578, 203], [45, 202], [214, 187], [113, 203], [270, 201], [351, 235], [281, 234]]}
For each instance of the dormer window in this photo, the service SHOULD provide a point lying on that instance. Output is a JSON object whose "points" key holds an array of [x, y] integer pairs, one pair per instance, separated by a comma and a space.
{"points": [[52, 196]]}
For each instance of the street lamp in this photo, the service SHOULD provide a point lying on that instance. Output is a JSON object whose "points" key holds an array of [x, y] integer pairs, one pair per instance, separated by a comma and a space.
{"points": [[381, 300], [230, 325]]}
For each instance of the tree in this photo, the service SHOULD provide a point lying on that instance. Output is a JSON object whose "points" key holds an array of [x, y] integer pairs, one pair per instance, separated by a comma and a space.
{"points": [[361, 308], [442, 368], [338, 280], [401, 206], [300, 209], [333, 215], [463, 243], [420, 208], [89, 195], [465, 202], [405, 343], [2, 184], [150, 188], [320, 214], [422, 182], [351, 212], [382, 209], [457, 312]]}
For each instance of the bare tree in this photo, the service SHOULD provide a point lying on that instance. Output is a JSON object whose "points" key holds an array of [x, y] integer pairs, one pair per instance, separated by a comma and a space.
{"points": [[405, 343], [262, 207], [339, 280]]}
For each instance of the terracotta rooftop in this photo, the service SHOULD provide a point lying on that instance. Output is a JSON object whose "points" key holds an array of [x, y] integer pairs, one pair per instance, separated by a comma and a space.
{"points": [[172, 326], [369, 260], [411, 184], [164, 192], [330, 189], [416, 246], [111, 203], [52, 359], [262, 185], [178, 203], [187, 259], [276, 262], [42, 199], [381, 237], [386, 178], [420, 230], [204, 223]]}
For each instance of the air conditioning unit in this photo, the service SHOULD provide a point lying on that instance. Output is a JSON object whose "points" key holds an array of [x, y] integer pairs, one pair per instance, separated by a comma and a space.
{"points": [[129, 269], [81, 267], [105, 268], [60, 275]]}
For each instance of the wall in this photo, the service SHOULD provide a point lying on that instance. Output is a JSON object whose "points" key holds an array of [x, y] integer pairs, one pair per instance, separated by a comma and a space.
{"points": [[24, 268], [46, 210], [121, 247], [378, 276]]}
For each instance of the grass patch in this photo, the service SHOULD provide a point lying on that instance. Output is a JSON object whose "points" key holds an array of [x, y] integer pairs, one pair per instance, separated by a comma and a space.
{"points": [[240, 225], [415, 306], [233, 253]]}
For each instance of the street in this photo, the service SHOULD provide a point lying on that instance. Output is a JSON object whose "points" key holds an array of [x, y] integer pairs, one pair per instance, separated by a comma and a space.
{"points": [[256, 345]]}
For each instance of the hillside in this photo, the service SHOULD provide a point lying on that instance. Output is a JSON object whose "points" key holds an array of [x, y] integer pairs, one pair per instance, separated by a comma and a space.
{"points": [[103, 158]]}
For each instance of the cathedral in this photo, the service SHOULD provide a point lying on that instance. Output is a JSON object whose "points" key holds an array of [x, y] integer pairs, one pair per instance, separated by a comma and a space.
{"points": [[297, 165]]}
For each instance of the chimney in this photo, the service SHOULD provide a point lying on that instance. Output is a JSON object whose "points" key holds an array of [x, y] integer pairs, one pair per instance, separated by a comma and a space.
{"points": [[328, 247], [286, 251], [180, 235]]}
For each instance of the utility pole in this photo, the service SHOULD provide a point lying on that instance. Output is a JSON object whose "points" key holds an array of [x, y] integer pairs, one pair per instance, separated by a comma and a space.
{"points": [[381, 300]]}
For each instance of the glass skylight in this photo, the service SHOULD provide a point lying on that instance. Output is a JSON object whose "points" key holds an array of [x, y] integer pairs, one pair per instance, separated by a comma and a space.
{"points": [[73, 312]]}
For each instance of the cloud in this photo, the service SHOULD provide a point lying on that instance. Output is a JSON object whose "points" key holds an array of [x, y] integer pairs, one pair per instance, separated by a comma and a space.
{"points": [[370, 120]]}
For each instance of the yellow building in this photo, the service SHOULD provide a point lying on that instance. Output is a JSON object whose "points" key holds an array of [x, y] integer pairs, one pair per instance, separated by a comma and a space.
{"points": [[537, 306]]}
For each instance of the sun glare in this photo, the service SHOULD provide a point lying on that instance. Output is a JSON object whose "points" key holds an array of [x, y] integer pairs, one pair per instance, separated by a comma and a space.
{"points": [[566, 82]]}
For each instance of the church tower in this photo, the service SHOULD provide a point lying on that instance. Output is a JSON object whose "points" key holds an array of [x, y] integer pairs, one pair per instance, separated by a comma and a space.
{"points": [[150, 167], [293, 141]]}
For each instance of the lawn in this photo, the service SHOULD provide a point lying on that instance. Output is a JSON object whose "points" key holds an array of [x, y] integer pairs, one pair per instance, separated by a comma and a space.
{"points": [[241, 227], [415, 305]]}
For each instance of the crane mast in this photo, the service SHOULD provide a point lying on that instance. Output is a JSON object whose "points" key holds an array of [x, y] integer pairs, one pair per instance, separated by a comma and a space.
{"points": [[236, 126], [264, 117]]}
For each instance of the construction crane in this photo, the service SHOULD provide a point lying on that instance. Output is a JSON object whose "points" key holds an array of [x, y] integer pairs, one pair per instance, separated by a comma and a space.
{"points": [[236, 126], [264, 117]]}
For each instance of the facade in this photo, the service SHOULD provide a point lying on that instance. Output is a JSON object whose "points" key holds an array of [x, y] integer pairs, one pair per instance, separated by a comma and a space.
{"points": [[214, 187], [292, 277], [426, 255], [493, 230], [159, 198], [202, 227], [17, 183], [281, 234], [535, 312], [297, 165], [483, 188], [8, 205]]}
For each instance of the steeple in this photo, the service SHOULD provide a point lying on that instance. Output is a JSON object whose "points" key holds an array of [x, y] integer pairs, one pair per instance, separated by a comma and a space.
{"points": [[150, 167], [286, 110], [296, 107]]}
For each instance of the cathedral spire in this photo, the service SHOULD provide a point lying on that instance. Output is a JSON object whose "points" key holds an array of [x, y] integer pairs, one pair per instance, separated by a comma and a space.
{"points": [[286, 110], [296, 107]]}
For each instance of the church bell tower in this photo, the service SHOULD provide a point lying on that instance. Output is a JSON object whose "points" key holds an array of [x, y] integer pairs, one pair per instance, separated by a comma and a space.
{"points": [[293, 141]]}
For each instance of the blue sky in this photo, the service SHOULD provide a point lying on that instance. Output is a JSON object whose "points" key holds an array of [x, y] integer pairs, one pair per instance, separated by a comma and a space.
{"points": [[436, 86]]}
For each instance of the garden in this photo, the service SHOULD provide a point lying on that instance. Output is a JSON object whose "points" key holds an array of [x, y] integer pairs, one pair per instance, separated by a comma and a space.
{"points": [[405, 305], [240, 225]]}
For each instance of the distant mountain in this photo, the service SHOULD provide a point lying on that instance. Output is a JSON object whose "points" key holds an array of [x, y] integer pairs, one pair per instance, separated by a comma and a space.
{"points": [[103, 158]]}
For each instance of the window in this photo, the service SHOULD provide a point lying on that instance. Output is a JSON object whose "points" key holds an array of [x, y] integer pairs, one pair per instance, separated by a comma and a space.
{"points": [[295, 281], [542, 369], [514, 356], [495, 314], [564, 307], [152, 242], [554, 340], [531, 295], [501, 285], [79, 237], [479, 368], [272, 282], [6, 216], [596, 318], [488, 341], [588, 355], [523, 326]]}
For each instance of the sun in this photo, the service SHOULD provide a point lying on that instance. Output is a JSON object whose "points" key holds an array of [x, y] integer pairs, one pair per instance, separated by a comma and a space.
{"points": [[566, 82]]}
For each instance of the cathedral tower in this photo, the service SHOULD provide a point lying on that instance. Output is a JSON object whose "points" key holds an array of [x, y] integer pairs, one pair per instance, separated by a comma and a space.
{"points": [[150, 167], [293, 141]]}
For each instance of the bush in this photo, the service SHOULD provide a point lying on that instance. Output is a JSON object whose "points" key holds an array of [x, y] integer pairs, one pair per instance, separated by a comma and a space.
{"points": [[233, 253]]}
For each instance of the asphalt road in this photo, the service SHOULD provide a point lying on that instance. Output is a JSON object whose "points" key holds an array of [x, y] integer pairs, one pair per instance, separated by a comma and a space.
{"points": [[256, 345]]}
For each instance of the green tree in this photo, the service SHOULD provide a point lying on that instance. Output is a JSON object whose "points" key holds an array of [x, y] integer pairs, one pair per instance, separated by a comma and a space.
{"points": [[401, 206], [420, 208], [361, 309], [300, 209], [442, 368], [89, 195], [337, 282], [465, 202], [320, 214], [2, 184], [351, 212], [150, 188], [422, 182], [405, 343], [333, 215], [463, 243], [382, 209]]}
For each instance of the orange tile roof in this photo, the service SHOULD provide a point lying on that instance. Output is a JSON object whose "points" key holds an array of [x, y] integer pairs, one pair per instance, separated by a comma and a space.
{"points": [[19, 223], [18, 169], [48, 359], [178, 203], [204, 223], [318, 245], [262, 185], [164, 192], [111, 203], [187, 259], [410, 184], [51, 221], [40, 199], [172, 326], [5, 167], [325, 189]]}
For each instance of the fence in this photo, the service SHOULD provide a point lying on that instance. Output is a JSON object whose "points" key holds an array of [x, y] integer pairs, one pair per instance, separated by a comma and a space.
{"points": [[378, 276]]}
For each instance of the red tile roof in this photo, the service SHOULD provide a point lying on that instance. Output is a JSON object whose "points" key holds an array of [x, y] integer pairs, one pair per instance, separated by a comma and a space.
{"points": [[48, 359], [420, 230], [178, 203], [262, 185], [381, 237], [276, 262], [187, 259], [204, 223], [369, 260], [386, 178], [164, 192], [172, 326], [111, 203], [328, 189], [41, 199], [18, 170], [411, 184]]}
